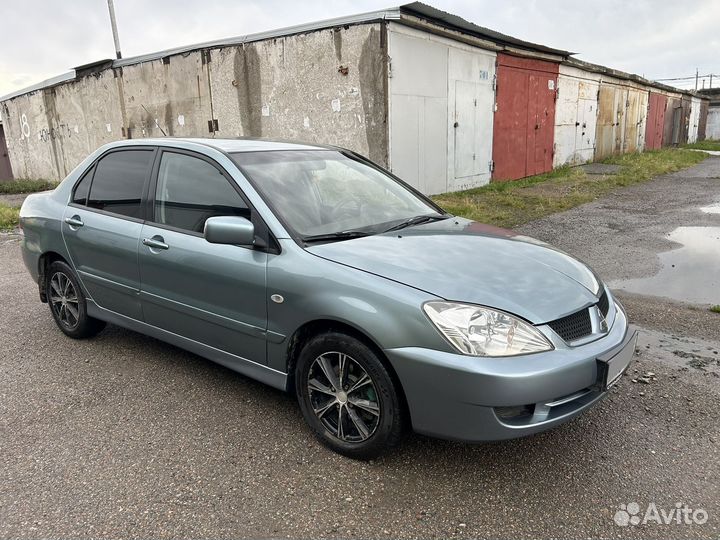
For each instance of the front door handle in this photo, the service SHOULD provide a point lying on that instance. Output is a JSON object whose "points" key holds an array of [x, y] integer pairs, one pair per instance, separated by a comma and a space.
{"points": [[74, 221], [156, 242]]}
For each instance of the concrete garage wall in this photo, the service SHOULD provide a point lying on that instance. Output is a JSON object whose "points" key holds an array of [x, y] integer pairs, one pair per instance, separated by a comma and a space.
{"points": [[85, 115], [50, 131], [26, 124], [326, 87], [166, 97]]}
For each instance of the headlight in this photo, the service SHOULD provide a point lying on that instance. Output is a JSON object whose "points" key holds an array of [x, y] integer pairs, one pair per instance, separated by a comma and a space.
{"points": [[480, 331]]}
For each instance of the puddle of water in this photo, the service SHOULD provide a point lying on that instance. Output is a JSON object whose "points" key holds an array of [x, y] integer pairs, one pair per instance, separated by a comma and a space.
{"points": [[712, 209], [690, 273]]}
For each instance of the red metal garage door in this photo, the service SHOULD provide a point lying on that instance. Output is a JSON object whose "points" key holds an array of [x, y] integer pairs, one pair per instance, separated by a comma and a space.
{"points": [[655, 121], [524, 123]]}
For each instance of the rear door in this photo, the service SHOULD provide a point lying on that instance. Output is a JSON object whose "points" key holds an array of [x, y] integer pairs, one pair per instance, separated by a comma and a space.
{"points": [[101, 228], [211, 293]]}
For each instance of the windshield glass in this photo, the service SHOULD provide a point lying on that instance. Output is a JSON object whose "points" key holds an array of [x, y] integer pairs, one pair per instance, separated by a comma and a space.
{"points": [[324, 192]]}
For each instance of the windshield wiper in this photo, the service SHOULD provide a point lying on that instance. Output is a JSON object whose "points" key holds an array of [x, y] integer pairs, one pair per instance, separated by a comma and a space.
{"points": [[417, 220], [340, 235]]}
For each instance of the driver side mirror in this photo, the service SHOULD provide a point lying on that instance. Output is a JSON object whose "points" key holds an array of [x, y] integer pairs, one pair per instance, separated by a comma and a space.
{"points": [[233, 230]]}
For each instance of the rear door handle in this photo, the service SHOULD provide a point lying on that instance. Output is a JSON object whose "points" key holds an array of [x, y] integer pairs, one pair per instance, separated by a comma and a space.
{"points": [[156, 242], [74, 221]]}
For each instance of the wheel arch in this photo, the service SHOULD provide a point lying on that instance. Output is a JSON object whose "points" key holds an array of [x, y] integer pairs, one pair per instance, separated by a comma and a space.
{"points": [[44, 262], [316, 327]]}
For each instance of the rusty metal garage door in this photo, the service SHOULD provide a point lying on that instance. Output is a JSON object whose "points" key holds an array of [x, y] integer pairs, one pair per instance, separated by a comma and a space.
{"points": [[524, 123], [634, 117], [610, 122], [671, 126], [702, 121], [655, 121]]}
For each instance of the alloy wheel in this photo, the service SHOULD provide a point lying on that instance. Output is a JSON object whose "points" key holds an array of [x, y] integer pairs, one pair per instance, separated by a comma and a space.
{"points": [[343, 397], [64, 300]]}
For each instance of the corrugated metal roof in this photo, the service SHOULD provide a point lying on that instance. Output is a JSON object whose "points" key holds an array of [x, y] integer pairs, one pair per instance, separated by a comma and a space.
{"points": [[616, 73], [458, 23]]}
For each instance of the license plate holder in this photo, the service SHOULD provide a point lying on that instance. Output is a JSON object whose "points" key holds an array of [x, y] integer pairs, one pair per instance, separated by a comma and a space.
{"points": [[611, 369]]}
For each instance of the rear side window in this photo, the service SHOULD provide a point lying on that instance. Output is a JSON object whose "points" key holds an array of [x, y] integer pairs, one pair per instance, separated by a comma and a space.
{"points": [[82, 187], [190, 190], [119, 181]]}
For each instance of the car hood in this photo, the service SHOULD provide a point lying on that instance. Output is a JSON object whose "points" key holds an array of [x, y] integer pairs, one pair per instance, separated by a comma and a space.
{"points": [[466, 261]]}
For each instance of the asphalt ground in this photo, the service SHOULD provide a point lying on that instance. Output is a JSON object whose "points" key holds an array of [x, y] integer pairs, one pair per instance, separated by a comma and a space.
{"points": [[125, 436]]}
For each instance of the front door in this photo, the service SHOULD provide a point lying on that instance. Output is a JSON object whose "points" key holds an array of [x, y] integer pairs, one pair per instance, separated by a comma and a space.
{"points": [[211, 293], [101, 228]]}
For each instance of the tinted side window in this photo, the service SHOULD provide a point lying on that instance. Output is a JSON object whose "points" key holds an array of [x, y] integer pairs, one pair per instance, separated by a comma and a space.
{"points": [[82, 187], [190, 190], [119, 181]]}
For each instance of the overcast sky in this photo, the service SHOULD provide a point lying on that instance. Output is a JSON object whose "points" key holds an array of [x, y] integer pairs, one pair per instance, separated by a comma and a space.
{"points": [[657, 39]]}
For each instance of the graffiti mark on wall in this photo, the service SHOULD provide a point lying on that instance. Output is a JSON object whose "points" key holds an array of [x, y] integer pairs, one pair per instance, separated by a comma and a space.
{"points": [[52, 133], [47, 134], [24, 127]]}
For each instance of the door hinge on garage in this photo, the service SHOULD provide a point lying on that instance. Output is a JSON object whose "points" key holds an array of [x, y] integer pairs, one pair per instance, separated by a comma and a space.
{"points": [[491, 165], [213, 125]]}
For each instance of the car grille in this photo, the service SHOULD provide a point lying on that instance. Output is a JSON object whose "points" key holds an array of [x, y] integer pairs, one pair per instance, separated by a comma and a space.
{"points": [[577, 325], [604, 304], [574, 326]]}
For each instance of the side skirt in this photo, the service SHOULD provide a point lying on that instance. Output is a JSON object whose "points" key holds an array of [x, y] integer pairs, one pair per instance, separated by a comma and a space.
{"points": [[264, 374]]}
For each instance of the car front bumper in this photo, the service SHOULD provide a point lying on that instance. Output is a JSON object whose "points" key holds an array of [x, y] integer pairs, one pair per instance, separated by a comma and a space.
{"points": [[474, 399]]}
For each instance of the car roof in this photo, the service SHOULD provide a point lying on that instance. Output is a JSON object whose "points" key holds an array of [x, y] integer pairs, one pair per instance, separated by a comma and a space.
{"points": [[230, 145]]}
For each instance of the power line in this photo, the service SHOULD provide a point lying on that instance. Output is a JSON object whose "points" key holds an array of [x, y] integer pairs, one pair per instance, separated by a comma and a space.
{"points": [[692, 77]]}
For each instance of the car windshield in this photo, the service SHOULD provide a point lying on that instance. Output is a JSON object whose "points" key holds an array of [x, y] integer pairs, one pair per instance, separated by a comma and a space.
{"points": [[324, 194]]}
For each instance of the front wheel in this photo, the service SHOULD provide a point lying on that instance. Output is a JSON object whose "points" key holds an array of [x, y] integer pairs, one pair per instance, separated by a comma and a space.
{"points": [[348, 397], [67, 303]]}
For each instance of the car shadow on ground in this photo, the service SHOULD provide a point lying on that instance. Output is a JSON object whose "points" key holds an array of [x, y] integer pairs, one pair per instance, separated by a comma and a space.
{"points": [[263, 404]]}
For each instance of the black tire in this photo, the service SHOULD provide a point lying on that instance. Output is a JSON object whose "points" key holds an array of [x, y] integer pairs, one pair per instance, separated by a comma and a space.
{"points": [[362, 434], [67, 303]]}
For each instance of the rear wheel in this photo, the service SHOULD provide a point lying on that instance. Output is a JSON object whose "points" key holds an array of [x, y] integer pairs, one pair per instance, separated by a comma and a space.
{"points": [[348, 397], [67, 303]]}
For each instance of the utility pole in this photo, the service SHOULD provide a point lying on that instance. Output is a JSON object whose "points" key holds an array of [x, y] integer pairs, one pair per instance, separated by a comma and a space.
{"points": [[710, 81], [113, 23], [697, 72]]}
